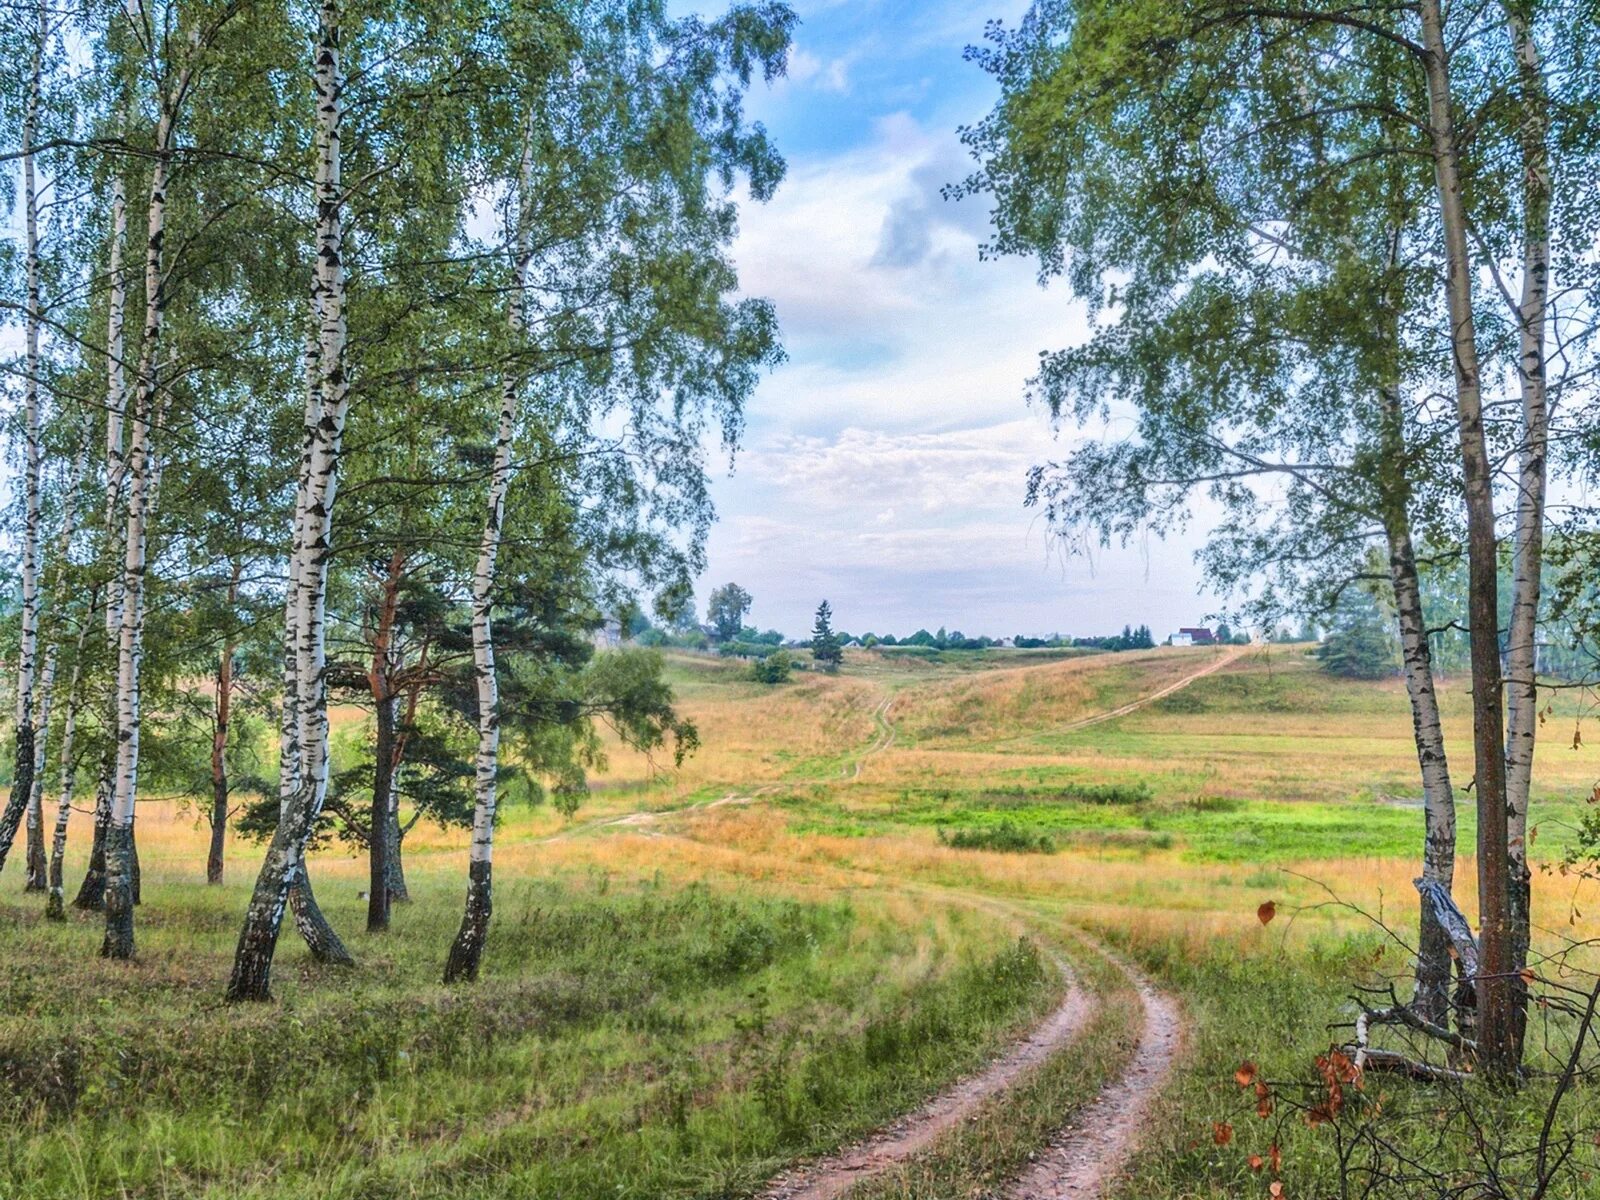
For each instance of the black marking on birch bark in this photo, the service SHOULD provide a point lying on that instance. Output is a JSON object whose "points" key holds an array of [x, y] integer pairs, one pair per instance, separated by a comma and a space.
{"points": [[21, 786], [466, 952]]}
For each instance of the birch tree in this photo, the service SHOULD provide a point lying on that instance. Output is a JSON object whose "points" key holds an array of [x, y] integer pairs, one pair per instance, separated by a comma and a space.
{"points": [[304, 760], [33, 323], [1221, 140]]}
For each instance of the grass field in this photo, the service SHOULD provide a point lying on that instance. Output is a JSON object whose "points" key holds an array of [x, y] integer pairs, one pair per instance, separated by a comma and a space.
{"points": [[716, 970]]}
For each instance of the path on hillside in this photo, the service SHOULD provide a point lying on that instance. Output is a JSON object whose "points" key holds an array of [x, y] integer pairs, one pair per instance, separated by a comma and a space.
{"points": [[1210, 668], [883, 740]]}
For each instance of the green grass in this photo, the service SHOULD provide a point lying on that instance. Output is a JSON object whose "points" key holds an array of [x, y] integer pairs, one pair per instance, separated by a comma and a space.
{"points": [[632, 1038], [1278, 1011]]}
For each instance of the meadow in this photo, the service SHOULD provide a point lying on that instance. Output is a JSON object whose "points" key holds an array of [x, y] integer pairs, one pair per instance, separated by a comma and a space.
{"points": [[853, 894]]}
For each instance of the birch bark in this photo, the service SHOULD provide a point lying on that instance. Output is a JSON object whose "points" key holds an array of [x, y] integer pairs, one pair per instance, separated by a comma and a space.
{"points": [[33, 319], [121, 866], [466, 952], [1496, 1022], [1522, 650], [283, 867], [38, 871], [55, 900], [91, 894]]}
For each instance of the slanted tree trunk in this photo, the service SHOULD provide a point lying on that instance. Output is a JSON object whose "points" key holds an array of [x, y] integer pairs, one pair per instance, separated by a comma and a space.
{"points": [[1497, 1023], [284, 861], [466, 953], [1522, 648], [33, 320], [319, 936]]}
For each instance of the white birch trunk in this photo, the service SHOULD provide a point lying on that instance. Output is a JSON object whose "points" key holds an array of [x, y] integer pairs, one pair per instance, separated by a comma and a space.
{"points": [[91, 895], [284, 862], [38, 873], [467, 950], [1522, 650], [119, 939], [33, 319], [55, 900]]}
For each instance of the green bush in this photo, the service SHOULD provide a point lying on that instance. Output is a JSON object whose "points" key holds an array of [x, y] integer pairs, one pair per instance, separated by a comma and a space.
{"points": [[774, 668], [1006, 837]]}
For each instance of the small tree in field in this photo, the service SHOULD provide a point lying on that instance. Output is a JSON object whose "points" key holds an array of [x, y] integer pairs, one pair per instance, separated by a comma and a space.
{"points": [[824, 642], [726, 610], [774, 668], [1359, 645]]}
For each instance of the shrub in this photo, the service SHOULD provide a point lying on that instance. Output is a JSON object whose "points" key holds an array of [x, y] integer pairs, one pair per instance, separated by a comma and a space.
{"points": [[774, 668], [1006, 837]]}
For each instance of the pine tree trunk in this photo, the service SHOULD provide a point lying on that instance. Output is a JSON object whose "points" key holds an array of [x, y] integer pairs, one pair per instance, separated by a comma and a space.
{"points": [[1497, 1022], [381, 683], [467, 950], [284, 861], [1522, 649], [33, 320], [379, 872]]}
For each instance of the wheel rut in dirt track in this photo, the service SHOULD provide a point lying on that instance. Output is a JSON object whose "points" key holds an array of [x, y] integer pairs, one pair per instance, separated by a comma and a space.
{"points": [[831, 1177], [1089, 1153]]}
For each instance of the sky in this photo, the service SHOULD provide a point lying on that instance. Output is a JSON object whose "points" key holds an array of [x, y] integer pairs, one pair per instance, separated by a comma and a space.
{"points": [[885, 462]]}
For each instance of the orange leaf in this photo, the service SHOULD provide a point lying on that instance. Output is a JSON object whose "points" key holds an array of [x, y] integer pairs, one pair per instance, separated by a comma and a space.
{"points": [[1527, 976], [1275, 1158], [1533, 835], [1246, 1073], [1275, 1190], [1222, 1133], [1256, 1162], [1266, 912]]}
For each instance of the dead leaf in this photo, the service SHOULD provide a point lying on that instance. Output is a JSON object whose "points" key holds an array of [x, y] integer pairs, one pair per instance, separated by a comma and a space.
{"points": [[1527, 976], [1275, 1190], [1257, 1162], [1275, 1158], [1246, 1074], [1222, 1133], [1266, 912]]}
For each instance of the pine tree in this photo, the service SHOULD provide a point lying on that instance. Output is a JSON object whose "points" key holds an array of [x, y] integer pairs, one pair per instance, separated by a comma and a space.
{"points": [[824, 642]]}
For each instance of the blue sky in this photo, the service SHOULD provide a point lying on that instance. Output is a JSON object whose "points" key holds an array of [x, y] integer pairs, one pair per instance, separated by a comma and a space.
{"points": [[885, 463]]}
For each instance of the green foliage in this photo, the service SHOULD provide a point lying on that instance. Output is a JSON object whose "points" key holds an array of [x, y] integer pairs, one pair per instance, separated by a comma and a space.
{"points": [[1360, 644], [825, 644], [726, 610], [1006, 837], [774, 668]]}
